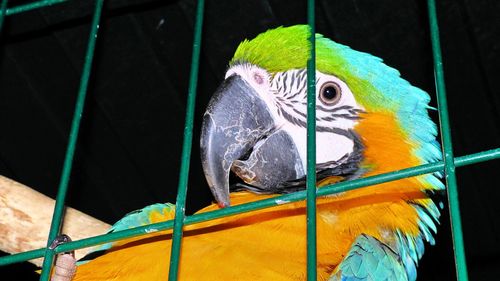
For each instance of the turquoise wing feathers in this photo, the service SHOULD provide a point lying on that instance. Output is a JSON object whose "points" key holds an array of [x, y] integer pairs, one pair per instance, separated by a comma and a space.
{"points": [[370, 260], [144, 216]]}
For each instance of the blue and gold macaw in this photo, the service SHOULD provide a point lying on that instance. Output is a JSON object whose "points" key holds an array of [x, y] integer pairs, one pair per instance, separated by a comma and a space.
{"points": [[369, 121]]}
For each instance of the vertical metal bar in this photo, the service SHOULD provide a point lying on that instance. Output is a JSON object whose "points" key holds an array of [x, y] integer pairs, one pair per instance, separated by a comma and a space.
{"points": [[3, 9], [311, 147], [73, 136], [186, 147], [456, 225]]}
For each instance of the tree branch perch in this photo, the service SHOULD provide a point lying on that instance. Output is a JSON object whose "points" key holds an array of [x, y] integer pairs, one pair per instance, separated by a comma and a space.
{"points": [[25, 216]]}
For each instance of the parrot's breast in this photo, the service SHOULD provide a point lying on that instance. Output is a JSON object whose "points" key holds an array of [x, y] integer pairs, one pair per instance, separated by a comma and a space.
{"points": [[267, 244]]}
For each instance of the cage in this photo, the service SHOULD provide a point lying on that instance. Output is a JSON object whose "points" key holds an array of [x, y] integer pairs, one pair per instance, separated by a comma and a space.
{"points": [[129, 140]]}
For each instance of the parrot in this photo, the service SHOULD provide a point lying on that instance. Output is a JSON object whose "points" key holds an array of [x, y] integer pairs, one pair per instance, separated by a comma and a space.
{"points": [[369, 121]]}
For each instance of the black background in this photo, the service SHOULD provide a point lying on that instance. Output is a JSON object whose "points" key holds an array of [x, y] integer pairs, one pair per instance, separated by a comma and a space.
{"points": [[128, 154]]}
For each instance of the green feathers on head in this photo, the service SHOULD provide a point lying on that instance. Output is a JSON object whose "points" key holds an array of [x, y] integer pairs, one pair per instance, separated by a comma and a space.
{"points": [[286, 48], [276, 50]]}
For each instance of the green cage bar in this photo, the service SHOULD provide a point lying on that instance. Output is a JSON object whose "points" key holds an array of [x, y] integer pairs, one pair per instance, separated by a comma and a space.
{"points": [[73, 137], [311, 147], [180, 202], [3, 9], [449, 166], [287, 198], [32, 6]]}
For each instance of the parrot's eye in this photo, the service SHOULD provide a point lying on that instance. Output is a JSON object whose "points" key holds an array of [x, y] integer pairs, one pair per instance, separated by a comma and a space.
{"points": [[330, 93]]}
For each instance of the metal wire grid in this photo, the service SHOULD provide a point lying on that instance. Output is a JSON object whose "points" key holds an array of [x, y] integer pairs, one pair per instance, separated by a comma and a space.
{"points": [[447, 165]]}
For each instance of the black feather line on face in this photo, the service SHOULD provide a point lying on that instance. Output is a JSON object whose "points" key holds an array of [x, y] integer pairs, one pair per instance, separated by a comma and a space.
{"points": [[347, 167], [298, 117]]}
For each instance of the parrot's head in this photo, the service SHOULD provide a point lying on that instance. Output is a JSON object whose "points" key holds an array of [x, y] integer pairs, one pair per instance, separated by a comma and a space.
{"points": [[368, 119]]}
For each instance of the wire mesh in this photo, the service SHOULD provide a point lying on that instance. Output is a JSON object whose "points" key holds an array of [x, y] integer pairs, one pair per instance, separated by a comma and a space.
{"points": [[448, 164]]}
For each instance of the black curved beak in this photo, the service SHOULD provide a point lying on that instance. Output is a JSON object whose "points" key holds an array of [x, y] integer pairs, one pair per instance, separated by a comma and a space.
{"points": [[238, 124], [234, 121]]}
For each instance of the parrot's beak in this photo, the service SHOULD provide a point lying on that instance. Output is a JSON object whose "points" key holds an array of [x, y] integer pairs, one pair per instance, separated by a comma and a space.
{"points": [[240, 134], [234, 121]]}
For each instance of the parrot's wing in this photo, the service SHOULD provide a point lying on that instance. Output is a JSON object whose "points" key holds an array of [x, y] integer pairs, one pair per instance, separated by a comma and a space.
{"points": [[370, 260], [151, 214]]}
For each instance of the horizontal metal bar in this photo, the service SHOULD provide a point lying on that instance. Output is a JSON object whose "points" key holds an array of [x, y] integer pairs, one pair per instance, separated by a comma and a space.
{"points": [[32, 6], [287, 198], [21, 257]]}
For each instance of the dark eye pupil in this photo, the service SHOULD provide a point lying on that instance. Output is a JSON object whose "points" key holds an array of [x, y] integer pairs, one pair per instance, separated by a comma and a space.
{"points": [[329, 93]]}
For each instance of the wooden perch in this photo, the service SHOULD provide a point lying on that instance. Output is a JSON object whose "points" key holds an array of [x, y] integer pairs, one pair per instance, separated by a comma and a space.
{"points": [[25, 217]]}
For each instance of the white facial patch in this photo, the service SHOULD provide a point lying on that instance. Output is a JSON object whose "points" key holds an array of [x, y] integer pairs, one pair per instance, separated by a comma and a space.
{"points": [[259, 79], [285, 94]]}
